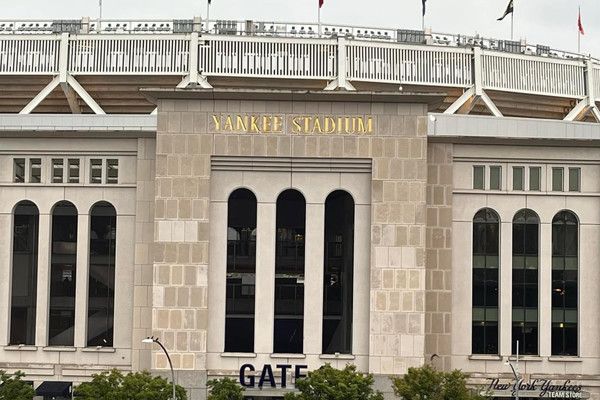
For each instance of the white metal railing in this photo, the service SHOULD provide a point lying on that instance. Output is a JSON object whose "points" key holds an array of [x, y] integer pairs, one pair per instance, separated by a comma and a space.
{"points": [[93, 54], [273, 58], [536, 75], [29, 54], [596, 78], [407, 64]]}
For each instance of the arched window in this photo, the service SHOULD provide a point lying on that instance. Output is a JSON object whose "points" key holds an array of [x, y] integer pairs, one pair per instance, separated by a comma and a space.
{"points": [[486, 240], [101, 294], [289, 273], [24, 274], [525, 280], [241, 271], [63, 260], [339, 274], [565, 268]]}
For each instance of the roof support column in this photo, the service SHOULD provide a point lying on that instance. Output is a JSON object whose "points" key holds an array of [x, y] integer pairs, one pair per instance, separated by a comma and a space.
{"points": [[194, 78], [341, 82], [465, 103], [68, 84], [588, 103]]}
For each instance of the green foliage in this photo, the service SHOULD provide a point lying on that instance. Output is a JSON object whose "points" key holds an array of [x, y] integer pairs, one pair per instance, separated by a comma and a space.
{"points": [[328, 383], [427, 383], [225, 389], [134, 386], [14, 388]]}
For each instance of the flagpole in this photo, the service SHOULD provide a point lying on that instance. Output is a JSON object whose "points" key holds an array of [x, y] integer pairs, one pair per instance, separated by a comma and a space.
{"points": [[579, 31], [319, 18], [512, 20], [208, 16]]}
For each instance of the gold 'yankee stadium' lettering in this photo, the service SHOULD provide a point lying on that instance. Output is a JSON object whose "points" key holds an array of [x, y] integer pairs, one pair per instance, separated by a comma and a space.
{"points": [[300, 124]]}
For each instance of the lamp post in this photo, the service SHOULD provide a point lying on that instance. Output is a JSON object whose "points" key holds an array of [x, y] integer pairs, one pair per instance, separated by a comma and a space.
{"points": [[152, 339], [515, 372]]}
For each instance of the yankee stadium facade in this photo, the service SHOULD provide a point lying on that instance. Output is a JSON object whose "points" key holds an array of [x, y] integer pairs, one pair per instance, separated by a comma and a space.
{"points": [[266, 198]]}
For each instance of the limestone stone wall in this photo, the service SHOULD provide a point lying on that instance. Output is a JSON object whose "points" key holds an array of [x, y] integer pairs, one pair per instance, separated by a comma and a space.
{"points": [[187, 138], [439, 255]]}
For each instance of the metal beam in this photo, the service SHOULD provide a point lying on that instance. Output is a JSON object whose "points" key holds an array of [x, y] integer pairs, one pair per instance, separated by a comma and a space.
{"points": [[341, 82], [71, 98], [578, 111], [84, 95], [466, 96], [41, 96], [490, 104]]}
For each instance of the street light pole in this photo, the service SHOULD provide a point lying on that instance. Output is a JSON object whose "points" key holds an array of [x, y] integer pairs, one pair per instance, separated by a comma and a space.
{"points": [[515, 373], [152, 339]]}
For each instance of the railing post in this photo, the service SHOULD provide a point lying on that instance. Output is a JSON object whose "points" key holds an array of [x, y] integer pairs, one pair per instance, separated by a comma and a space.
{"points": [[477, 70], [63, 57], [342, 80], [588, 103], [193, 61]]}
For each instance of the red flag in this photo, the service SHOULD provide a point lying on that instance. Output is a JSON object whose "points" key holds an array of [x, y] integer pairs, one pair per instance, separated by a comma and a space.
{"points": [[578, 24], [321, 3]]}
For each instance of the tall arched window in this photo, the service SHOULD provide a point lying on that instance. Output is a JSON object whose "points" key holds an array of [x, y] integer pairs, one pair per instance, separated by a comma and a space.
{"points": [[101, 291], [525, 280], [339, 274], [63, 259], [241, 271], [289, 273], [24, 274], [486, 239], [565, 269]]}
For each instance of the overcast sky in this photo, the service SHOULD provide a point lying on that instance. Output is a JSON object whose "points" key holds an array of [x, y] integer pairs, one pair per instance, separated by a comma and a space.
{"points": [[548, 22]]}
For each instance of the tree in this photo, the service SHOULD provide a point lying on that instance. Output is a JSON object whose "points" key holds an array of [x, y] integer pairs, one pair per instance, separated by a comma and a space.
{"points": [[225, 389], [134, 386], [328, 383], [427, 383], [12, 387]]}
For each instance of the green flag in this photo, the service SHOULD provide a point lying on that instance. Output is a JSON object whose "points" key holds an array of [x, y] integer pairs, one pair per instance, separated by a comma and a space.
{"points": [[509, 9]]}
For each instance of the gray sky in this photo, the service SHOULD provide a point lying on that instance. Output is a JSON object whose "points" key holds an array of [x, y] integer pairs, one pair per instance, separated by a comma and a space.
{"points": [[548, 22]]}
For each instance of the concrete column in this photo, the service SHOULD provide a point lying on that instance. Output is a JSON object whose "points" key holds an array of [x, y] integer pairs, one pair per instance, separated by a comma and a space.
{"points": [[124, 281], [313, 278], [362, 275], [43, 283], [5, 276], [265, 278], [81, 280], [217, 277], [545, 290], [505, 278]]}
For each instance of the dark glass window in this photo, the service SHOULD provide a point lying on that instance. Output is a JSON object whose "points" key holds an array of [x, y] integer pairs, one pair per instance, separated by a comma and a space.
{"points": [[73, 170], [57, 170], [478, 177], [518, 175], [565, 268], [525, 280], [495, 177], [95, 170], [557, 179], [289, 273], [61, 324], [24, 274], [241, 272], [112, 171], [574, 179], [535, 174], [339, 275], [19, 170], [101, 295], [35, 167], [486, 240]]}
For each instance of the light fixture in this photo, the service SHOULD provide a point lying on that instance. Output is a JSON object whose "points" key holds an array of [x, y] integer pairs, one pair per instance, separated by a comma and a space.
{"points": [[152, 339]]}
